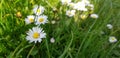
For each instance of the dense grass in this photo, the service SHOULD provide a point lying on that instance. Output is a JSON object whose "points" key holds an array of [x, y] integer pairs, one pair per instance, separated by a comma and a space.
{"points": [[72, 39]]}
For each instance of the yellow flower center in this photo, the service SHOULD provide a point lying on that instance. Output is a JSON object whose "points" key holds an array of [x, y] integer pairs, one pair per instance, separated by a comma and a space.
{"points": [[36, 35], [41, 19], [113, 38], [18, 14], [31, 20], [38, 10], [83, 17]]}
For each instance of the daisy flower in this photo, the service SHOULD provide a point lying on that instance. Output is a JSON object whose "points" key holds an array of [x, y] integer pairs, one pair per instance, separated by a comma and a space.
{"points": [[65, 1], [29, 19], [109, 26], [52, 40], [70, 13], [94, 16], [80, 6], [71, 4], [112, 39], [35, 34], [38, 10], [87, 2], [41, 20]]}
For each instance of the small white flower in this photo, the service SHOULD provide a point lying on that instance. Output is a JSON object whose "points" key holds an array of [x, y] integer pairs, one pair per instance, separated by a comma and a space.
{"points": [[91, 6], [87, 2], [41, 20], [80, 6], [112, 39], [38, 10], [94, 16], [54, 9], [29, 19], [52, 40], [35, 34], [109, 26], [53, 21], [70, 13], [71, 4], [65, 1]]}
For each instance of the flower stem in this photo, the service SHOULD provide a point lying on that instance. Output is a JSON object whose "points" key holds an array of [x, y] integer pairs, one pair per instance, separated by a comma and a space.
{"points": [[30, 51]]}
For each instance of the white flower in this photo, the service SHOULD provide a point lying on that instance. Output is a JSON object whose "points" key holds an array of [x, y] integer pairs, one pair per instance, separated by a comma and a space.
{"points": [[29, 19], [94, 16], [65, 1], [53, 21], [109, 26], [87, 2], [41, 20], [52, 40], [70, 13], [35, 34], [80, 6], [91, 6], [112, 39], [54, 9], [71, 4], [38, 10]]}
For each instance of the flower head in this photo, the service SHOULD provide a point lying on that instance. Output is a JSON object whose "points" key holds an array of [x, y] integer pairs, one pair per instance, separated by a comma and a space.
{"points": [[52, 40], [94, 16], [87, 2], [70, 13], [38, 10], [65, 1], [109, 26], [29, 19], [112, 39], [80, 6], [91, 6], [53, 21], [41, 19], [35, 34], [71, 4]]}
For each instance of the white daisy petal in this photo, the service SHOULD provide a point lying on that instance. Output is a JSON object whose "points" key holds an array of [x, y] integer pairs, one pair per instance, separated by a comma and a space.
{"points": [[71, 4], [95, 16], [80, 6], [65, 1]]}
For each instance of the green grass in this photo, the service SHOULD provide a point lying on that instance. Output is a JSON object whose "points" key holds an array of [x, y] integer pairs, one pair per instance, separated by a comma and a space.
{"points": [[81, 39]]}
